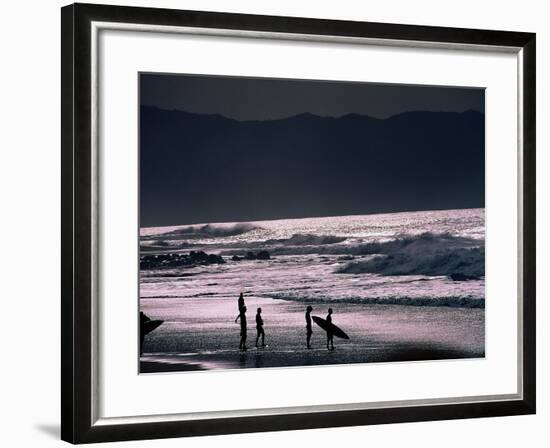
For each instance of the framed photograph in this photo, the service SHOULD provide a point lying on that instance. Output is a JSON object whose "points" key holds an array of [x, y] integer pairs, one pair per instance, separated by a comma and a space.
{"points": [[276, 223]]}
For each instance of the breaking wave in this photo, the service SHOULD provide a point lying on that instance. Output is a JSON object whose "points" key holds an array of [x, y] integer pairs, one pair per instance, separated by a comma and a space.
{"points": [[416, 244], [425, 254], [209, 231], [305, 244]]}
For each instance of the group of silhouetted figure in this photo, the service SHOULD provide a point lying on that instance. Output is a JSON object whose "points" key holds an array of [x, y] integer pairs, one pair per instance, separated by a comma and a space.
{"points": [[259, 324], [260, 333]]}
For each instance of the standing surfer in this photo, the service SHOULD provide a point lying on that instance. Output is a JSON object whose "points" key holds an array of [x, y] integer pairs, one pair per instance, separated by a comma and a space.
{"points": [[242, 316], [260, 327], [330, 335], [309, 330]]}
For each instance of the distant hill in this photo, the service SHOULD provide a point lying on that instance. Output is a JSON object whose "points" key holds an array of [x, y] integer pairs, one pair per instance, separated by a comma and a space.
{"points": [[206, 168]]}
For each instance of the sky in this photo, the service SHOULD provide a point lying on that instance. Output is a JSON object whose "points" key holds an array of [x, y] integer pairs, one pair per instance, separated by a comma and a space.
{"points": [[268, 99], [226, 149]]}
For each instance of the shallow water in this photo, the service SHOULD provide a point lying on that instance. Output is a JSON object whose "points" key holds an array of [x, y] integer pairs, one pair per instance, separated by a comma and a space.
{"points": [[307, 263], [202, 332]]}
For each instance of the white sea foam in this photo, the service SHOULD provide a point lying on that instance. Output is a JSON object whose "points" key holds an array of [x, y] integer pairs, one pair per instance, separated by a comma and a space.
{"points": [[413, 258], [425, 254], [201, 231]]}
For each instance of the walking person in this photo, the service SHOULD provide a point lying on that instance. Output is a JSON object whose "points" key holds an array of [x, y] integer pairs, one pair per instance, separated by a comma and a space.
{"points": [[309, 329], [330, 335], [260, 327]]}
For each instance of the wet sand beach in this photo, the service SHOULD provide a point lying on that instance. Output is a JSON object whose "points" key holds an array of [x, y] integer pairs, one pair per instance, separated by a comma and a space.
{"points": [[200, 334]]}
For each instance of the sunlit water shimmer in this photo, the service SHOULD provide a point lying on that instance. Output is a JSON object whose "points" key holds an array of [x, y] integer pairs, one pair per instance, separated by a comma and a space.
{"points": [[386, 276]]}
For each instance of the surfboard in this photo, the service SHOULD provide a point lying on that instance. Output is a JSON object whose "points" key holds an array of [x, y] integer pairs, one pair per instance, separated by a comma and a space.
{"points": [[329, 327], [150, 325]]}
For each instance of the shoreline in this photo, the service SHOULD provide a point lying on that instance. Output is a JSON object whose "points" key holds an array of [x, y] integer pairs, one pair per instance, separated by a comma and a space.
{"points": [[199, 334]]}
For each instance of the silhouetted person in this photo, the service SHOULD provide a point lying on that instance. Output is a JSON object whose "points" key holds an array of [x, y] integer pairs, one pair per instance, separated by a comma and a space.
{"points": [[142, 319], [240, 303], [260, 327], [242, 316], [330, 336], [146, 325], [309, 329]]}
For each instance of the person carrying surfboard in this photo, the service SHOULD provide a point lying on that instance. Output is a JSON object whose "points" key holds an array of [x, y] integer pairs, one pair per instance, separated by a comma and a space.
{"points": [[331, 329], [260, 327], [242, 316], [309, 329], [146, 325], [330, 334]]}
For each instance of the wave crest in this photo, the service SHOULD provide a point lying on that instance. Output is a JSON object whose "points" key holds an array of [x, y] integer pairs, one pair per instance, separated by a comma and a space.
{"points": [[410, 244], [425, 254], [210, 231]]}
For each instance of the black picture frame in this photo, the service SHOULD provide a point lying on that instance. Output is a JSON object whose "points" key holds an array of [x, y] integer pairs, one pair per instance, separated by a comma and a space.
{"points": [[77, 425]]}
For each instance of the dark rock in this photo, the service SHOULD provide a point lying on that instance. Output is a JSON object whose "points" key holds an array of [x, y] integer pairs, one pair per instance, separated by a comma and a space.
{"points": [[214, 259], [262, 255], [175, 260]]}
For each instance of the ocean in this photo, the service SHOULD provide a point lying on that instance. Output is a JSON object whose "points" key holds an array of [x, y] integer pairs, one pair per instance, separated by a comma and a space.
{"points": [[428, 264]]}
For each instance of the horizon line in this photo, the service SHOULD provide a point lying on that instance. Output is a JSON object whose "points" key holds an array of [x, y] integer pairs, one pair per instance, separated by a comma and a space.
{"points": [[310, 217]]}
